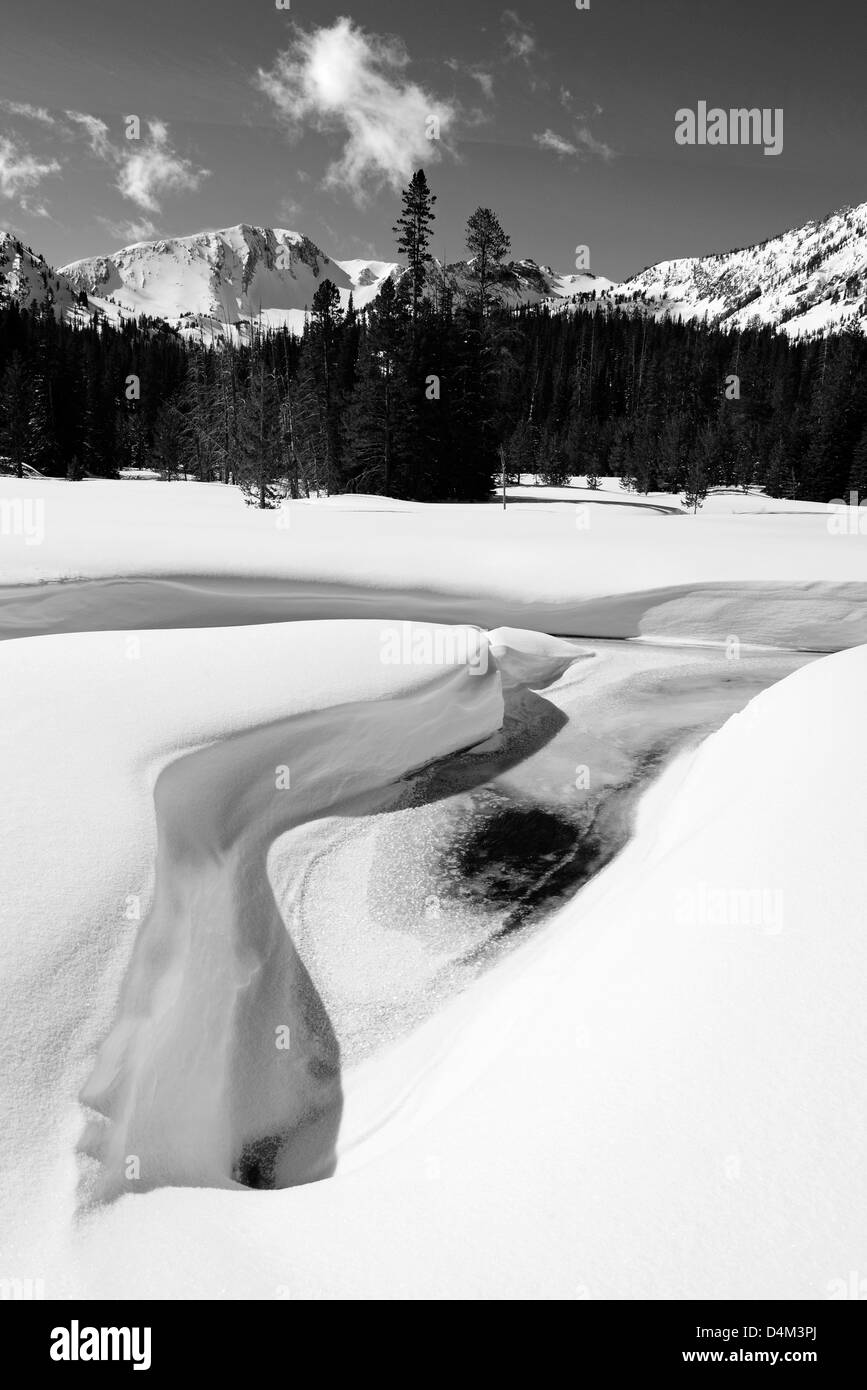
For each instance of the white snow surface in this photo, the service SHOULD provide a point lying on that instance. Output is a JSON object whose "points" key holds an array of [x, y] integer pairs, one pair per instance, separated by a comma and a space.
{"points": [[660, 1095], [135, 554], [165, 798]]}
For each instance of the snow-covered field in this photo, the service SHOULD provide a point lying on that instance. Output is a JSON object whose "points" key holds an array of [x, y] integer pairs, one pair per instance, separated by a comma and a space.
{"points": [[407, 901], [603, 564]]}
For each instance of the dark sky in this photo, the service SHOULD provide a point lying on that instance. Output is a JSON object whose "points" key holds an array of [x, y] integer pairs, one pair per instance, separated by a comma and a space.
{"points": [[561, 120]]}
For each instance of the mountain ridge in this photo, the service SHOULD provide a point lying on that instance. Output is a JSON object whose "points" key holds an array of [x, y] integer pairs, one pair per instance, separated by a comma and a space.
{"points": [[808, 280]]}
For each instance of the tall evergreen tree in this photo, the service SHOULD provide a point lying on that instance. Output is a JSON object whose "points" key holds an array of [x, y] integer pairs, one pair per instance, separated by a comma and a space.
{"points": [[412, 230], [16, 400], [487, 243], [380, 404]]}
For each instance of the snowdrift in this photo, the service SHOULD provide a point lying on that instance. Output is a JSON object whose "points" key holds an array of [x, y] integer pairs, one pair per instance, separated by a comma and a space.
{"points": [[142, 554], [659, 1097], [145, 961]]}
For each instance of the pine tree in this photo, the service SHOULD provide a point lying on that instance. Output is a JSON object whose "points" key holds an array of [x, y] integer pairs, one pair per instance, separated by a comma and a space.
{"points": [[857, 481], [167, 439], [200, 405], [380, 404], [412, 230], [317, 400], [16, 402], [487, 243], [226, 437], [259, 431], [699, 470], [776, 470]]}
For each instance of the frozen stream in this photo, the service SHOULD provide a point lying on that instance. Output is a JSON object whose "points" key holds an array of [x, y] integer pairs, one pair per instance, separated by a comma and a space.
{"points": [[393, 912]]}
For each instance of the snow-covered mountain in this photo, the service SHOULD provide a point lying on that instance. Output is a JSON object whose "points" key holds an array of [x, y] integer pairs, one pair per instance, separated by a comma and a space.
{"points": [[204, 282], [27, 278], [520, 282], [812, 279]]}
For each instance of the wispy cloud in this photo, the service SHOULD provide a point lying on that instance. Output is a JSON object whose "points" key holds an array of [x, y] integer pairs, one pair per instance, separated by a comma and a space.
{"points": [[129, 231], [343, 80], [21, 173], [550, 140], [520, 39], [153, 167], [485, 81], [96, 131], [592, 145], [582, 144], [146, 168], [478, 73], [28, 112], [289, 209]]}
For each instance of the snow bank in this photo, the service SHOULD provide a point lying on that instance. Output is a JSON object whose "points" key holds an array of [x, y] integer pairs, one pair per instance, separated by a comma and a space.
{"points": [[143, 955], [117, 555], [531, 659], [662, 1097], [659, 1097]]}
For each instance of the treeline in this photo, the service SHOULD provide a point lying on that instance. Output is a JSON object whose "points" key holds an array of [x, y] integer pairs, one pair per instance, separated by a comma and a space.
{"points": [[430, 394], [680, 408], [64, 407]]}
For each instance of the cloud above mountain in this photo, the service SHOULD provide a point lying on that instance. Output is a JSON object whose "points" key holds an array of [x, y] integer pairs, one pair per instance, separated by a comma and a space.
{"points": [[96, 131], [346, 82], [153, 167], [21, 173], [146, 167]]}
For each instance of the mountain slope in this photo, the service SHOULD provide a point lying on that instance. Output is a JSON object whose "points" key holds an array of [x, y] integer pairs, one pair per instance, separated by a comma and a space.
{"points": [[812, 279], [210, 279], [206, 281], [519, 282], [27, 278]]}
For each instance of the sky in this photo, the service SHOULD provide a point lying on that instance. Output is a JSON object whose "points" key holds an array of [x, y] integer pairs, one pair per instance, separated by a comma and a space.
{"points": [[313, 118]]}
